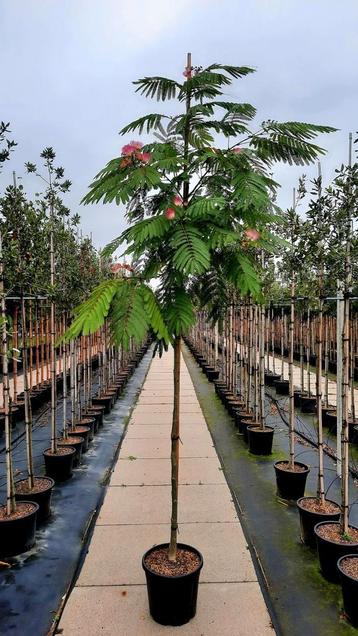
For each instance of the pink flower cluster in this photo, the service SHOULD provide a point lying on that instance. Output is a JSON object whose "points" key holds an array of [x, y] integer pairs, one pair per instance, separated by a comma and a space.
{"points": [[170, 212], [252, 235], [132, 151]]}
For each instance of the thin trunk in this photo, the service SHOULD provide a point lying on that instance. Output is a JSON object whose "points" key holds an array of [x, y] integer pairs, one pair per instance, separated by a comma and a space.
{"points": [[175, 452], [64, 382], [28, 414], [72, 387], [52, 343], [302, 373], [262, 366], [10, 486], [15, 353], [290, 378], [320, 485]]}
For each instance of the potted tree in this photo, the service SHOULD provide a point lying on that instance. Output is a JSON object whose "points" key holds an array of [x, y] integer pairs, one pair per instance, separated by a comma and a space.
{"points": [[189, 204], [60, 456], [291, 475], [317, 237], [17, 520]]}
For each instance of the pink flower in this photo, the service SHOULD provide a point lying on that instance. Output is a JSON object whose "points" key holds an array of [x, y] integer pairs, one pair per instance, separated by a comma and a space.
{"points": [[188, 73], [137, 144], [252, 235], [178, 200], [237, 150], [130, 148], [143, 156], [169, 214]]}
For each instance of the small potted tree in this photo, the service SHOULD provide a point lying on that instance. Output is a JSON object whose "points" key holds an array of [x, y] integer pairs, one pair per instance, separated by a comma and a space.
{"points": [[60, 456], [291, 475], [189, 204], [17, 520]]}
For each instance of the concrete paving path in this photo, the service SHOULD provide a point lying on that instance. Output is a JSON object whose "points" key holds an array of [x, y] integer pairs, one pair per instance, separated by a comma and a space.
{"points": [[110, 596]]}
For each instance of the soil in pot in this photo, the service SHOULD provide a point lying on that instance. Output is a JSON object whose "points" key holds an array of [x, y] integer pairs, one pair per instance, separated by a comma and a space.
{"points": [[260, 439], [17, 531], [348, 570], [311, 512], [172, 587], [40, 494], [59, 465], [290, 482], [331, 545]]}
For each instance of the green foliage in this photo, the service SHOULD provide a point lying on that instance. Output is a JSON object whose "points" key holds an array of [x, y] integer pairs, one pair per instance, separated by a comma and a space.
{"points": [[198, 253]]}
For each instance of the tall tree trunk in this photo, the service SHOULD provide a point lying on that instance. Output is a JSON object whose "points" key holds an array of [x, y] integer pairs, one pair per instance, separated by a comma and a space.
{"points": [[320, 485], [10, 486], [175, 451], [28, 414], [290, 378]]}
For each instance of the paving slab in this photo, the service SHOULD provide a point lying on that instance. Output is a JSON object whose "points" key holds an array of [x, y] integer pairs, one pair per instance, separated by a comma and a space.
{"points": [[188, 432], [196, 470], [108, 563], [224, 609], [162, 447], [148, 417], [151, 504]]}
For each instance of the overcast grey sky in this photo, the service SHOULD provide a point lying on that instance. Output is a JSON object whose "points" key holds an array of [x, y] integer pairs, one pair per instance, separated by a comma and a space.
{"points": [[67, 67]]}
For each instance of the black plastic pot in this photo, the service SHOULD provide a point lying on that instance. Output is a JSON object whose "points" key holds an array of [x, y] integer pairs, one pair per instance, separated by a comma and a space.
{"points": [[212, 374], [18, 411], [309, 519], [308, 404], [18, 535], [234, 404], [243, 426], [297, 396], [271, 378], [172, 599], [84, 432], [95, 412], [77, 442], [331, 419], [90, 422], [260, 439], [290, 484], [43, 499], [329, 552], [105, 401], [349, 591], [219, 385], [282, 387], [59, 467], [327, 410], [355, 435]]}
